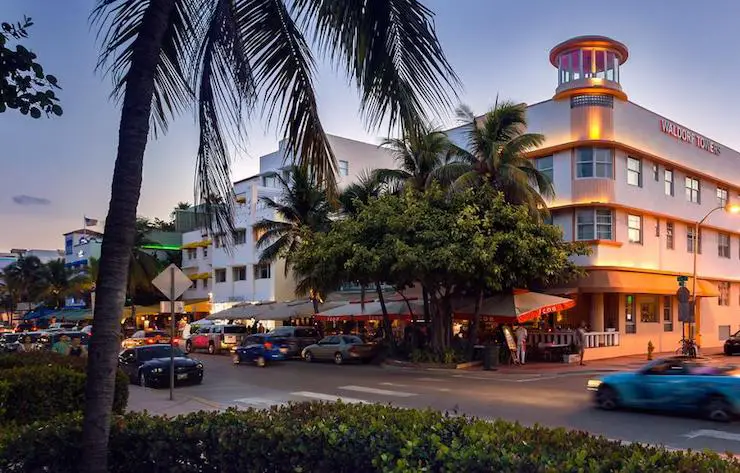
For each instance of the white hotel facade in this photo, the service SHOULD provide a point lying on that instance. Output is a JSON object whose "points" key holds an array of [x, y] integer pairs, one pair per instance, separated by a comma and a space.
{"points": [[633, 184], [227, 278]]}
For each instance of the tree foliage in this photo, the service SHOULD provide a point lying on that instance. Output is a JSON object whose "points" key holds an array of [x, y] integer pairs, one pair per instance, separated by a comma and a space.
{"points": [[24, 86]]}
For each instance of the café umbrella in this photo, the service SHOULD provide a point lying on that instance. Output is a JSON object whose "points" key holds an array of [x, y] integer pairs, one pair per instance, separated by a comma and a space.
{"points": [[518, 306], [271, 310], [397, 310]]}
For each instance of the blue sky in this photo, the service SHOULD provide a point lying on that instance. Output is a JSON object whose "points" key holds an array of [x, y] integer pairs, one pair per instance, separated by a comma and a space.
{"points": [[683, 64]]}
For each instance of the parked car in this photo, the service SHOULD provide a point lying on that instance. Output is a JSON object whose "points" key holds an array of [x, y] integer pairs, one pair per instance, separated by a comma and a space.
{"points": [[732, 344], [147, 337], [215, 338], [340, 348], [296, 338], [62, 326], [87, 329], [149, 365], [46, 340], [676, 384], [260, 349], [9, 341]]}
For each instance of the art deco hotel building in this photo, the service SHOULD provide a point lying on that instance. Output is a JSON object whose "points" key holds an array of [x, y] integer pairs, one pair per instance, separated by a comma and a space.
{"points": [[633, 184]]}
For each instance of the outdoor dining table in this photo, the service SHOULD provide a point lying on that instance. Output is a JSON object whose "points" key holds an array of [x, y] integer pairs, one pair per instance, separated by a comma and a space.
{"points": [[550, 350]]}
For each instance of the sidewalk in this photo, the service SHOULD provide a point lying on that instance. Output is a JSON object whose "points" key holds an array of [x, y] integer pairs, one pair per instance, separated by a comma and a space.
{"points": [[157, 402]]}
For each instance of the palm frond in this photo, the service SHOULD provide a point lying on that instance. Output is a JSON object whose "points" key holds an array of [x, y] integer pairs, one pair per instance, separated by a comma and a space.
{"points": [[391, 50]]}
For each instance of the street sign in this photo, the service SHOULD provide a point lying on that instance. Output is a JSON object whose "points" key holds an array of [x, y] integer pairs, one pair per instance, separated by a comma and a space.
{"points": [[165, 279]]}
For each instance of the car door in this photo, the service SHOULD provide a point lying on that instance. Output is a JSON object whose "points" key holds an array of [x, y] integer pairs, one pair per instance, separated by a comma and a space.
{"points": [[201, 338], [665, 385], [327, 347]]}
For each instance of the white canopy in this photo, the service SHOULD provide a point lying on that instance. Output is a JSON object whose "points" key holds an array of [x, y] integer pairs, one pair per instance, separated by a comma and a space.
{"points": [[271, 310]]}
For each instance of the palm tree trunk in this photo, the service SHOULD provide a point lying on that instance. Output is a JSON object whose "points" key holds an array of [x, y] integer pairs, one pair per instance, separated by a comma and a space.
{"points": [[386, 319], [119, 235], [425, 296]]}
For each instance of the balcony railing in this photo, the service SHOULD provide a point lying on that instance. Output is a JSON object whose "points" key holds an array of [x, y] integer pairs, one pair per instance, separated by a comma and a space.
{"points": [[593, 339]]}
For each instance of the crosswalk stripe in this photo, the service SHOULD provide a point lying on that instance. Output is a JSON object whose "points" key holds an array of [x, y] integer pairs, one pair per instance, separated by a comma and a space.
{"points": [[260, 402], [717, 434], [382, 392], [433, 388], [328, 397]]}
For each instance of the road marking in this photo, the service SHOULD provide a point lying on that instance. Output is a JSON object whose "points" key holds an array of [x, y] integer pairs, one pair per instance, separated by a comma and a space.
{"points": [[397, 385], [717, 434], [382, 392], [328, 397], [433, 380], [260, 402]]}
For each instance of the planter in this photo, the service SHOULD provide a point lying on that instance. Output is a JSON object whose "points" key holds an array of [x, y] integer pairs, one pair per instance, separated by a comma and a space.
{"points": [[571, 358]]}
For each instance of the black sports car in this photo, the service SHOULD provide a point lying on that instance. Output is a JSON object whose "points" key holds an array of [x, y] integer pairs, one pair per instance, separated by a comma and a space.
{"points": [[732, 344], [150, 366]]}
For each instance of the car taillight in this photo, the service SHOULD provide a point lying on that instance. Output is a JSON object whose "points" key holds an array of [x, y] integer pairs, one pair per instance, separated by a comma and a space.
{"points": [[268, 345], [151, 341], [175, 340]]}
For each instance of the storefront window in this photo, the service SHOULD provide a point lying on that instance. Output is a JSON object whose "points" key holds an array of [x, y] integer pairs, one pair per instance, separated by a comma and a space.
{"points": [[667, 314], [648, 309], [629, 314]]}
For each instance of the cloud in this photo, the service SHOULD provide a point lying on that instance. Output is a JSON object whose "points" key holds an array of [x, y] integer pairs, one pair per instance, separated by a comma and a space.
{"points": [[30, 200]]}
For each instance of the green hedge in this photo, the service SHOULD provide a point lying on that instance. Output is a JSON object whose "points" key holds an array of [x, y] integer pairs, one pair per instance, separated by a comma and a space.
{"points": [[340, 438], [40, 386]]}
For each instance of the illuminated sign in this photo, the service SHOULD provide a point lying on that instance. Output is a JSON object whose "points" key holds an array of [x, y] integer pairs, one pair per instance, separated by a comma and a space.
{"points": [[688, 136]]}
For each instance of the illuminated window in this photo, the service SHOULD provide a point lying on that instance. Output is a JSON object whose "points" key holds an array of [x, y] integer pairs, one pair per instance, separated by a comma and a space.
{"points": [[544, 165], [343, 168], [722, 197], [634, 171], [594, 162], [669, 242], [594, 224], [648, 309], [724, 292], [693, 193], [668, 178], [239, 273], [634, 228], [630, 307], [723, 245]]}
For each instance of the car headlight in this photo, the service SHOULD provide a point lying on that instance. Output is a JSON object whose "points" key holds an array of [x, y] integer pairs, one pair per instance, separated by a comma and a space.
{"points": [[199, 366], [157, 370], [593, 383]]}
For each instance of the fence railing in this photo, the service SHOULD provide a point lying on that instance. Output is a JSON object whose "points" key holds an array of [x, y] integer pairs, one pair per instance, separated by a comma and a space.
{"points": [[593, 339]]}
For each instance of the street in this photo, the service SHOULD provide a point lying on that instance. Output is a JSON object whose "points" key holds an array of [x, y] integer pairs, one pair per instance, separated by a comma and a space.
{"points": [[556, 400]]}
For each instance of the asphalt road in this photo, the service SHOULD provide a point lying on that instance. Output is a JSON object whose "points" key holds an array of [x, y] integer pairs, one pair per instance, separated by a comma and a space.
{"points": [[557, 400]]}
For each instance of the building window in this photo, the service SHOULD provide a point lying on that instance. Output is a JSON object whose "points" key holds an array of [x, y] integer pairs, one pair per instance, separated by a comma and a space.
{"points": [[692, 190], [669, 243], [594, 224], [723, 245], [205, 283], [544, 165], [205, 251], [269, 181], [594, 162], [262, 271], [192, 253], [634, 171], [690, 240], [657, 227], [239, 273], [668, 179], [220, 275], [724, 292], [343, 168], [656, 173], [629, 314], [217, 241], [722, 197], [240, 237], [667, 314], [634, 228], [649, 309]]}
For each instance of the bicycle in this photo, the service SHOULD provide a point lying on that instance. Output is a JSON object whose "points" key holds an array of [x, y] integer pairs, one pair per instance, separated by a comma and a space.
{"points": [[688, 348]]}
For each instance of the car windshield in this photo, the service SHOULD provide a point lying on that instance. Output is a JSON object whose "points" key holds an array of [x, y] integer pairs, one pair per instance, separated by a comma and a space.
{"points": [[159, 351], [10, 338]]}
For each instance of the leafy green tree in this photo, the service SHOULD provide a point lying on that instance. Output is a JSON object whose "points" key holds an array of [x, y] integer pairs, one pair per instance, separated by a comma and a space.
{"points": [[28, 278], [61, 283], [226, 58], [302, 206], [23, 84], [496, 148]]}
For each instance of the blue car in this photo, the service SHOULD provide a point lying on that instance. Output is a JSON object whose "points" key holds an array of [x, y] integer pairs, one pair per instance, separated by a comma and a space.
{"points": [[674, 384], [260, 349]]}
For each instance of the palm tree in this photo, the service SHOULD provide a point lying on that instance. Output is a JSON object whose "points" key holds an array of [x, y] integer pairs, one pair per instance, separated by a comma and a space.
{"points": [[225, 58], [422, 156], [367, 186], [62, 282], [178, 207], [302, 207], [27, 277], [496, 148]]}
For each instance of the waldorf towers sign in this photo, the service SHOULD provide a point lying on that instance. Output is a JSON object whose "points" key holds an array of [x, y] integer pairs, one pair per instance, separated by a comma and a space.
{"points": [[688, 136]]}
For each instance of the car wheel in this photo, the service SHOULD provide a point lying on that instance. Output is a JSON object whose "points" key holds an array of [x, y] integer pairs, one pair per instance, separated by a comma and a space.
{"points": [[211, 349], [308, 356], [142, 380], [718, 409], [607, 398], [338, 358], [260, 361], [189, 347], [235, 359]]}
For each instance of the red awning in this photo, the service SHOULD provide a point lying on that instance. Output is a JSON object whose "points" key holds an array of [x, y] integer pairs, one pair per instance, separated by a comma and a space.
{"points": [[519, 307]]}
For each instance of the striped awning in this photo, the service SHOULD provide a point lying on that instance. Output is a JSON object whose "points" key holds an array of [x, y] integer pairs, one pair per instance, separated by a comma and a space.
{"points": [[197, 244]]}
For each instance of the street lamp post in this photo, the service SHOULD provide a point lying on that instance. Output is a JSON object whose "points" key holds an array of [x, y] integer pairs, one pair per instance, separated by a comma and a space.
{"points": [[695, 248]]}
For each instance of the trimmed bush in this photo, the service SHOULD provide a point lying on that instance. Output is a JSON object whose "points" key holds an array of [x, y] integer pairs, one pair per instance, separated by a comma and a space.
{"points": [[41, 385], [320, 437]]}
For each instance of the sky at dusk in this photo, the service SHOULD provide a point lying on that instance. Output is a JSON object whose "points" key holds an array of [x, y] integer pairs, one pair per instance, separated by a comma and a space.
{"points": [[684, 64]]}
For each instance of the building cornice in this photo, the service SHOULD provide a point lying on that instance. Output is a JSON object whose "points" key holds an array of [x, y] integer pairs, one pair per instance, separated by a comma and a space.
{"points": [[657, 272]]}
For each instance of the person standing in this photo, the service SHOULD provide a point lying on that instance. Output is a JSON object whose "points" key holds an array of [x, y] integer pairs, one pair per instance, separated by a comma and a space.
{"points": [[521, 343], [77, 349], [26, 345], [62, 346], [581, 341], [260, 328]]}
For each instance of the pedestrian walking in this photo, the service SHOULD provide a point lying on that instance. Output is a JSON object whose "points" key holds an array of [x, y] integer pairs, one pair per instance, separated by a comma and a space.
{"points": [[521, 343], [580, 341]]}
